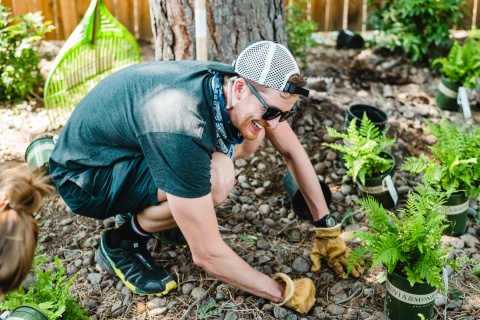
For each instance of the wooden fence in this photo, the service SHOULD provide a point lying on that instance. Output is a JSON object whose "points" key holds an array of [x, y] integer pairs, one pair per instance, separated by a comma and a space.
{"points": [[135, 14]]}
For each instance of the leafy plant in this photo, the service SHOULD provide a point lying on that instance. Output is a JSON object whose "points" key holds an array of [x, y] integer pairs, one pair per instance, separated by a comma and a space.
{"points": [[412, 245], [454, 163], [50, 293], [299, 27], [363, 150], [420, 29], [19, 40], [462, 65], [209, 310], [251, 238]]}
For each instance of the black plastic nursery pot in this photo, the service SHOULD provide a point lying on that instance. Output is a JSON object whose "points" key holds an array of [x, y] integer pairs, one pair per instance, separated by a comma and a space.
{"points": [[377, 116], [446, 96], [381, 187], [403, 301], [26, 312], [455, 208], [299, 205], [349, 40]]}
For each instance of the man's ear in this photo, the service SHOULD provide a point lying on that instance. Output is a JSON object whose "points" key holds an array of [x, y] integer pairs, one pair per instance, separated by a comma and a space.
{"points": [[230, 91]]}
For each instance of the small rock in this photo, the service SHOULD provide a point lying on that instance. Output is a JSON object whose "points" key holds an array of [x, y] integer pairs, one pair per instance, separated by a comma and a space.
{"points": [[187, 288], [470, 240], [197, 293], [335, 309], [378, 316], [301, 264], [454, 304], [95, 278], [66, 222], [157, 311], [264, 209], [440, 300], [280, 313], [263, 244]]}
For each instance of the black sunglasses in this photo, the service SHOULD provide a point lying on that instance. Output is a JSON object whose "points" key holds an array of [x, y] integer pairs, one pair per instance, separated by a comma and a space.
{"points": [[270, 112]]}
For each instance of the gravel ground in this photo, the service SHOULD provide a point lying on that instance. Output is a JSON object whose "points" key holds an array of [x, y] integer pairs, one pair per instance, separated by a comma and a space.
{"points": [[256, 220]]}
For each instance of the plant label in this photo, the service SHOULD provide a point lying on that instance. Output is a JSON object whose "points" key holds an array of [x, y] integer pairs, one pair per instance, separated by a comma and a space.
{"points": [[462, 99], [391, 189]]}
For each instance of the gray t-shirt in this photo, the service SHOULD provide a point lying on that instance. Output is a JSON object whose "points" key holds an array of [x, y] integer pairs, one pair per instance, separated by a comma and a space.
{"points": [[160, 110]]}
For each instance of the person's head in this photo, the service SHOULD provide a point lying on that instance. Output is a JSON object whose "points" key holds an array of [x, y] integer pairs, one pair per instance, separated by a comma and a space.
{"points": [[21, 195], [267, 87]]}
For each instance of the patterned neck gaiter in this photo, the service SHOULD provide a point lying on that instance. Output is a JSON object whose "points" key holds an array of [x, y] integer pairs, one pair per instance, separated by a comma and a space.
{"points": [[226, 139]]}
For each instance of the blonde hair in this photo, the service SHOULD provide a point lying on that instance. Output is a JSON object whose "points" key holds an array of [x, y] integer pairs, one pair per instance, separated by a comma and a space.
{"points": [[21, 195]]}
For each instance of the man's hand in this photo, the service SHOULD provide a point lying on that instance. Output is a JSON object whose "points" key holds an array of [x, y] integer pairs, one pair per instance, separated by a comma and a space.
{"points": [[299, 295], [328, 245]]}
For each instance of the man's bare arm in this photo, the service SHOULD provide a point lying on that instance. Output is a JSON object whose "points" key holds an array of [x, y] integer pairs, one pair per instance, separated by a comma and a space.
{"points": [[197, 220]]}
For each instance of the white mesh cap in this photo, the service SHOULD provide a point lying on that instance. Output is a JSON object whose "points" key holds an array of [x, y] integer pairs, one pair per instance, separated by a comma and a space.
{"points": [[269, 64]]}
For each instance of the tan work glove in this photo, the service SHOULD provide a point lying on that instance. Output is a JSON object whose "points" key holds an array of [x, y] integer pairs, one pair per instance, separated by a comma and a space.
{"points": [[299, 294], [328, 245]]}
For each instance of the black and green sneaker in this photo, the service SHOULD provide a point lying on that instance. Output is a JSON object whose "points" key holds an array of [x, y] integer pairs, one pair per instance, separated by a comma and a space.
{"points": [[134, 265], [173, 237]]}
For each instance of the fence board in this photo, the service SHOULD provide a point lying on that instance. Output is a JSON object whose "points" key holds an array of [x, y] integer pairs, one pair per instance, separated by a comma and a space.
{"points": [[144, 22], [125, 14], [111, 7], [7, 3], [68, 15], [82, 7], [22, 7], [472, 19], [47, 8]]}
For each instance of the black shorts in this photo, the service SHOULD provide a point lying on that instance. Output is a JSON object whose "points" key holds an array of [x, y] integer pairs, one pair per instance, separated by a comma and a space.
{"points": [[102, 192]]}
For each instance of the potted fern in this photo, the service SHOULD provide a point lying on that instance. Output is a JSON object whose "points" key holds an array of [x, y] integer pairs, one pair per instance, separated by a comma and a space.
{"points": [[459, 69], [411, 250], [453, 166], [365, 155]]}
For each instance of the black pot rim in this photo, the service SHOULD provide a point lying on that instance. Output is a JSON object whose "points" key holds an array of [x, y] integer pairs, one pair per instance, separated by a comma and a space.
{"points": [[377, 116]]}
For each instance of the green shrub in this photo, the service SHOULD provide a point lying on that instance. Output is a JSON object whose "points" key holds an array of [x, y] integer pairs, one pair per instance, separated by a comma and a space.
{"points": [[50, 293], [299, 29], [462, 66], [419, 29], [19, 41]]}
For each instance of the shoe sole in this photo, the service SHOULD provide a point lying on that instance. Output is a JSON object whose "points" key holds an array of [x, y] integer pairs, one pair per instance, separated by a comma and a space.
{"points": [[109, 266]]}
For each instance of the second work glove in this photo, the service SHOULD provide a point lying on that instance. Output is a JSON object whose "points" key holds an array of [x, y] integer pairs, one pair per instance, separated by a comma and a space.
{"points": [[328, 245], [299, 294]]}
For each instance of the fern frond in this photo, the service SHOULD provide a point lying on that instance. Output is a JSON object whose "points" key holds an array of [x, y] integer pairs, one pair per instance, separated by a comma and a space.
{"points": [[355, 257], [387, 251]]}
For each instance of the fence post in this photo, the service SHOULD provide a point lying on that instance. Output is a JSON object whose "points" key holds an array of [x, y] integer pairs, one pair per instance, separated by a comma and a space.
{"points": [[201, 30], [345, 15]]}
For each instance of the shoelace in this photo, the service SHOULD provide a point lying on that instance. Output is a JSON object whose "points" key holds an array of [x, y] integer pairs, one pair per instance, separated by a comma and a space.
{"points": [[144, 262]]}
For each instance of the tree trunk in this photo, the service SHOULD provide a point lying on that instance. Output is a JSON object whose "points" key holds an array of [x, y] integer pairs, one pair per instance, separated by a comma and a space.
{"points": [[231, 24]]}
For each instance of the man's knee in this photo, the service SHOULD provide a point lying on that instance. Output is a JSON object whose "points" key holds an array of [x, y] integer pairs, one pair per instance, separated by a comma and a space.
{"points": [[222, 177]]}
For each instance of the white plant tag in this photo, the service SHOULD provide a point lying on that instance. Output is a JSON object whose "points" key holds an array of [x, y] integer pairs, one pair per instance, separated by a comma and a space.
{"points": [[445, 280], [462, 99], [391, 188]]}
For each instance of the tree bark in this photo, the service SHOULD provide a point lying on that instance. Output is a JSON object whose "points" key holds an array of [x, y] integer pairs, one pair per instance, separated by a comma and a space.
{"points": [[231, 24]]}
